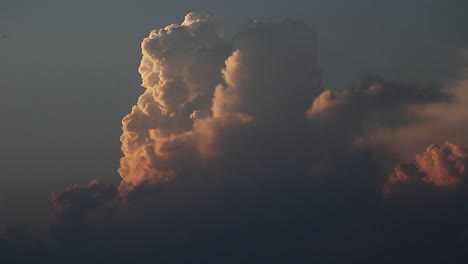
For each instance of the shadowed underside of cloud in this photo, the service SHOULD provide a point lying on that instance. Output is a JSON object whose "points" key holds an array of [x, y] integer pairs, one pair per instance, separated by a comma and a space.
{"points": [[234, 153], [78, 208]]}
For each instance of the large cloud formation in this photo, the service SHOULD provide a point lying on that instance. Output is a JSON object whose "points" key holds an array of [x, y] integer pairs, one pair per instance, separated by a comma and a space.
{"points": [[234, 153]]}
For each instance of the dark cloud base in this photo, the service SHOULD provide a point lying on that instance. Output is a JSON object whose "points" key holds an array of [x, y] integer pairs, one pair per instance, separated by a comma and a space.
{"points": [[289, 218], [302, 228]]}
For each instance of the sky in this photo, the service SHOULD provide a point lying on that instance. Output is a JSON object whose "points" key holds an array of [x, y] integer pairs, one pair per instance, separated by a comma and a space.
{"points": [[71, 77]]}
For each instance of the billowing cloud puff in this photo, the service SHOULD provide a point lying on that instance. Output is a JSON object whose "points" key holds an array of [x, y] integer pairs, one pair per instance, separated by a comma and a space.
{"points": [[269, 80], [287, 51], [179, 69], [193, 101], [445, 166], [442, 166]]}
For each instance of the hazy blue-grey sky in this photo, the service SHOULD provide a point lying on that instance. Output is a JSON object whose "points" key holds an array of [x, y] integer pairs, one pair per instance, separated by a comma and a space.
{"points": [[68, 72]]}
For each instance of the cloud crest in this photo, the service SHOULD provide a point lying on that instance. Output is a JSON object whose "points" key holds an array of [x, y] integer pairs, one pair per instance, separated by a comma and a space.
{"points": [[179, 70]]}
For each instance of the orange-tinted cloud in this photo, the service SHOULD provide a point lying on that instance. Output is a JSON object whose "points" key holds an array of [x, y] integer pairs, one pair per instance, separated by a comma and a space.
{"points": [[179, 69], [193, 102], [444, 166]]}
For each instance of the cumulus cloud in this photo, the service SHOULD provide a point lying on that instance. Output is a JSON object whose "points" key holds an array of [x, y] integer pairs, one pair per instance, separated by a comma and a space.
{"points": [[444, 166], [212, 115], [197, 93], [250, 94], [241, 104], [235, 149], [179, 69]]}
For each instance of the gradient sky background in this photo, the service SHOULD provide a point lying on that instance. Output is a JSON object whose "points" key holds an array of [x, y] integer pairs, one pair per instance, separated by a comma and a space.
{"points": [[68, 73]]}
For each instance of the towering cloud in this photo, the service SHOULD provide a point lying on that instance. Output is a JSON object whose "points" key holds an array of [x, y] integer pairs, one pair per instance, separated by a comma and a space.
{"points": [[192, 101], [179, 69], [235, 150], [268, 80]]}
